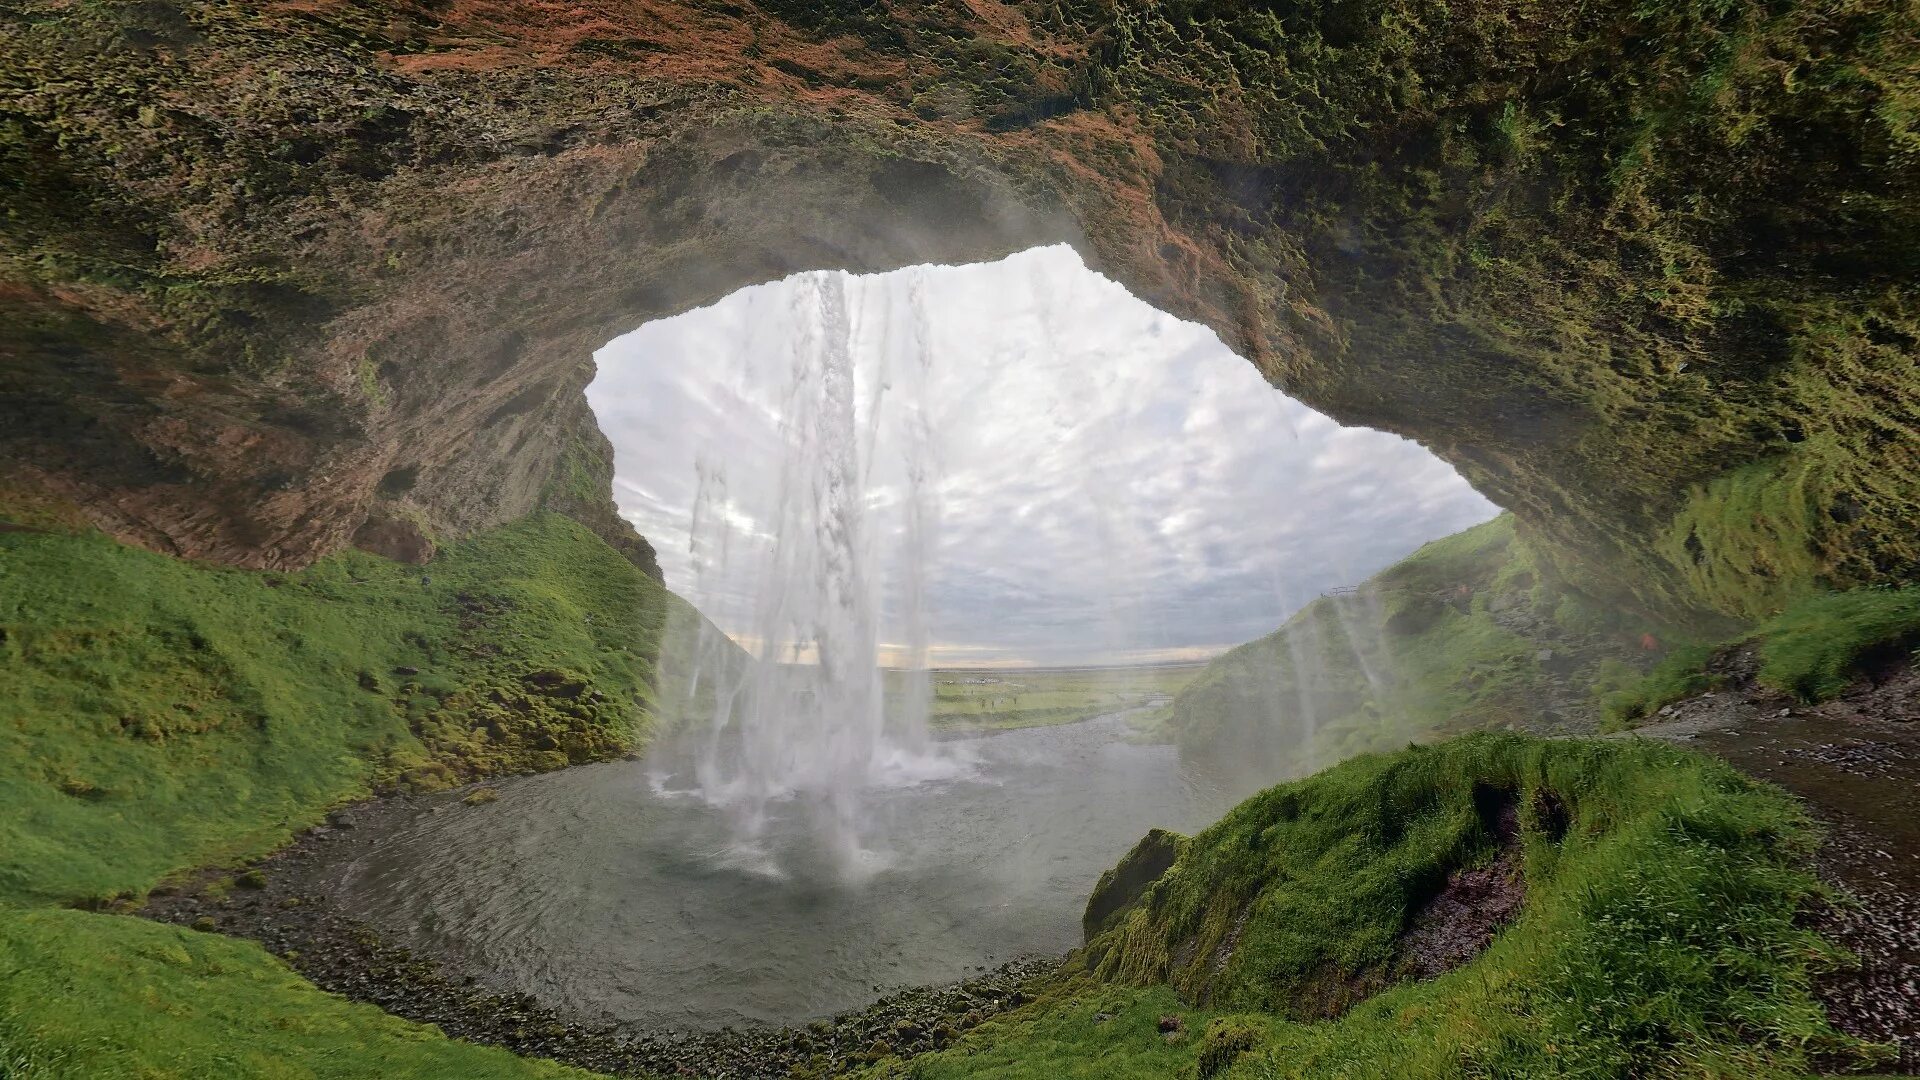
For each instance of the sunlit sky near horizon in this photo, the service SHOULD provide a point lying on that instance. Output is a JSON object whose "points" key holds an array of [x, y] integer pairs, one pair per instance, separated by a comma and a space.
{"points": [[1110, 484]]}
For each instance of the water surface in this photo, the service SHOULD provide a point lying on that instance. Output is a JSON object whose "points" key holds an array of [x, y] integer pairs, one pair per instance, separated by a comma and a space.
{"points": [[600, 891]]}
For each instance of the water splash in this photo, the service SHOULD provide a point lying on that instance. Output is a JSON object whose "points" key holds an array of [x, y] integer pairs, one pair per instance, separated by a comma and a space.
{"points": [[809, 725]]}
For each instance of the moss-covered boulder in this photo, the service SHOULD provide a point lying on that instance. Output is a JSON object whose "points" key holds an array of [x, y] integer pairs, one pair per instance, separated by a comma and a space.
{"points": [[1121, 887]]}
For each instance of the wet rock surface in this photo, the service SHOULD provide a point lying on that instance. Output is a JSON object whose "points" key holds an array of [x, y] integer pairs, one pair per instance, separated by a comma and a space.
{"points": [[283, 903], [1856, 762]]}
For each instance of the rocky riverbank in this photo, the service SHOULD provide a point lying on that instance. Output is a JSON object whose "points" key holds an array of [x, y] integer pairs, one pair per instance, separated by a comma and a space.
{"points": [[284, 903]]}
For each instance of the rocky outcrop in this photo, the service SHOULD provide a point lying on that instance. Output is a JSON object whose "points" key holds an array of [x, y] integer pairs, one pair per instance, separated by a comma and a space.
{"points": [[1645, 275], [1123, 886]]}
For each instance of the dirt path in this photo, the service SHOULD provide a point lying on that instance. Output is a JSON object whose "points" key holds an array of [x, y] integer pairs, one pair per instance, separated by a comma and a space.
{"points": [[1856, 762]]}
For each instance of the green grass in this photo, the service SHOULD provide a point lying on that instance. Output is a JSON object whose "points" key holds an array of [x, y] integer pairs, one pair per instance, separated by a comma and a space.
{"points": [[159, 715], [1004, 699], [1659, 937], [1813, 650], [1681, 674], [102, 997], [156, 715]]}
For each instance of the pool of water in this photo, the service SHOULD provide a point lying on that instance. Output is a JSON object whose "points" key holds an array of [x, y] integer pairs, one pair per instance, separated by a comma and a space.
{"points": [[601, 891]]}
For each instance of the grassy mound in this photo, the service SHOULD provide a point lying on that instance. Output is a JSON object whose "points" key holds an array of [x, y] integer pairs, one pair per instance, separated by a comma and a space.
{"points": [[105, 996], [156, 715], [1658, 937]]}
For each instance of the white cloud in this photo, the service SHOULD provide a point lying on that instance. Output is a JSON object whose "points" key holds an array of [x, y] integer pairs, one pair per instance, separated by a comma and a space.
{"points": [[1110, 481]]}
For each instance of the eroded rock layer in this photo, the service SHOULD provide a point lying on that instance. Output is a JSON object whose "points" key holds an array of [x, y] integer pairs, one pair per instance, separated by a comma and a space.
{"points": [[1646, 273]]}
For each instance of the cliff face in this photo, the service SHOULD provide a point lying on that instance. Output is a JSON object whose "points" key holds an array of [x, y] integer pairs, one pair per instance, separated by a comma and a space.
{"points": [[279, 276]]}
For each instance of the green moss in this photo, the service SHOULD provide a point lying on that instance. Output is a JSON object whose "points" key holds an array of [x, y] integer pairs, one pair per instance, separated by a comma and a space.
{"points": [[369, 377], [1681, 674], [94, 996], [1604, 296], [1061, 1037], [156, 715], [1659, 937], [1815, 649], [1225, 1041]]}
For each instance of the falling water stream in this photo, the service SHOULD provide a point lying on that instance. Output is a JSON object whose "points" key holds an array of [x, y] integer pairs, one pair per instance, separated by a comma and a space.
{"points": [[807, 728]]}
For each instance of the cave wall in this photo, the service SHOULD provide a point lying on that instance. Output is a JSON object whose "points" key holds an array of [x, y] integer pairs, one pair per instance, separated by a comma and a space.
{"points": [[279, 277]]}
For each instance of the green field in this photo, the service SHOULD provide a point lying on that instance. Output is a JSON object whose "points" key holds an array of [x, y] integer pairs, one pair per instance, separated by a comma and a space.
{"points": [[981, 699]]}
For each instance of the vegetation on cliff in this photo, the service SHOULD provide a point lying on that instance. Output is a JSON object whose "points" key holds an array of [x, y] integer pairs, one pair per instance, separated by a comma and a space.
{"points": [[161, 715], [157, 715], [1471, 632], [1659, 934], [1475, 632], [1602, 261], [1644, 272], [1811, 651]]}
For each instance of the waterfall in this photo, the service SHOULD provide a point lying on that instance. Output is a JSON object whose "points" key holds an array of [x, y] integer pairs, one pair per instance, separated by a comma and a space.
{"points": [[810, 726], [1362, 621]]}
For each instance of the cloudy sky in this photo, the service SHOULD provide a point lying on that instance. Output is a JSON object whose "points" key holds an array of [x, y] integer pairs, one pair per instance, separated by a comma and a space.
{"points": [[1097, 481]]}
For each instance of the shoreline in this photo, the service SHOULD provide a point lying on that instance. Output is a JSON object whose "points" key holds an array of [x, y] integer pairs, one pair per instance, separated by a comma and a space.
{"points": [[282, 902]]}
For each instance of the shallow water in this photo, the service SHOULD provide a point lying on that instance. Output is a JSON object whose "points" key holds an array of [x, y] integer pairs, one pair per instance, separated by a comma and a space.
{"points": [[601, 892]]}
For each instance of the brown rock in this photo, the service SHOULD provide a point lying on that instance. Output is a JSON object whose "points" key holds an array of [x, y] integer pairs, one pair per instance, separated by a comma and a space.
{"points": [[395, 538]]}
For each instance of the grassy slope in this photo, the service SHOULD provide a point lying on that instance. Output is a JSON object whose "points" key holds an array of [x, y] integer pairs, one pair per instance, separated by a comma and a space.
{"points": [[1448, 640], [160, 715], [1812, 650], [104, 996], [1658, 937]]}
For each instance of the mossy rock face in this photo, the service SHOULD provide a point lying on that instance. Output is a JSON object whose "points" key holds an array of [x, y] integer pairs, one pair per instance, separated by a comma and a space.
{"points": [[1646, 274], [1121, 887]]}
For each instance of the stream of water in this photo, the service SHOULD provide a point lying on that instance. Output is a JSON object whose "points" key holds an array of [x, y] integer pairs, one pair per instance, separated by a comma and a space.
{"points": [[602, 891]]}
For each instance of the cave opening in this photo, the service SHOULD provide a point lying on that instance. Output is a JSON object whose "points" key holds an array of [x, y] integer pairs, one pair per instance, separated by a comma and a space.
{"points": [[949, 538]]}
